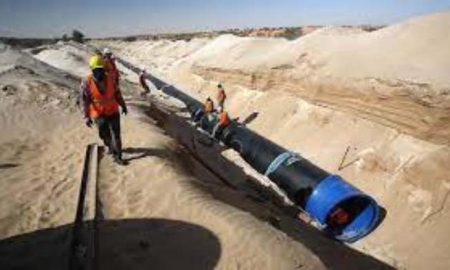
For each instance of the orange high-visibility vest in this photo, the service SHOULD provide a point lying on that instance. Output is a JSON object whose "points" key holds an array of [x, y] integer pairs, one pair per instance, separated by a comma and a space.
{"points": [[209, 106], [221, 95], [224, 119], [103, 104]]}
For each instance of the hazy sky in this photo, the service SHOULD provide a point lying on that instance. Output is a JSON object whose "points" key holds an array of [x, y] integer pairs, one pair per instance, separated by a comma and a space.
{"points": [[49, 18]]}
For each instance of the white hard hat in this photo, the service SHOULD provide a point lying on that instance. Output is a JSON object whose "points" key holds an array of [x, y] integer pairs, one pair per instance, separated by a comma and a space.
{"points": [[106, 51]]}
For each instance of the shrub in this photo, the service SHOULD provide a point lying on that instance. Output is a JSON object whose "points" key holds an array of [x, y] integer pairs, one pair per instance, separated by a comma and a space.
{"points": [[77, 36]]}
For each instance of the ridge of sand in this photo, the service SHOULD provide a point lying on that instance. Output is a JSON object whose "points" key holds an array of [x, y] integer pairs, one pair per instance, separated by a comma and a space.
{"points": [[65, 58], [414, 51], [396, 76], [383, 95]]}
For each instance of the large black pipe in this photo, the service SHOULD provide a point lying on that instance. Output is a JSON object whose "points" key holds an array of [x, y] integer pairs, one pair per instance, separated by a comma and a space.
{"points": [[261, 152], [338, 207]]}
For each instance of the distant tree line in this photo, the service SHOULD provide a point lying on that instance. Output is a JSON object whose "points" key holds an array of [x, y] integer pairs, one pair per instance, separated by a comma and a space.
{"points": [[25, 43], [77, 36]]}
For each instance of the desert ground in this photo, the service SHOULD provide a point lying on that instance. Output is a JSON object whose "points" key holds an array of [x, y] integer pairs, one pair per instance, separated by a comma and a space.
{"points": [[382, 96]]}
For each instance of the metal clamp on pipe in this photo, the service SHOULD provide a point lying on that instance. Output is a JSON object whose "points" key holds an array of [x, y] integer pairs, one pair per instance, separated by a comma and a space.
{"points": [[291, 157]]}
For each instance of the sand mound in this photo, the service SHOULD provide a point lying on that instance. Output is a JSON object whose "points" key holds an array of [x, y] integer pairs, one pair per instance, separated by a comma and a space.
{"points": [[382, 97], [67, 58], [413, 51], [163, 54], [39, 165], [395, 76]]}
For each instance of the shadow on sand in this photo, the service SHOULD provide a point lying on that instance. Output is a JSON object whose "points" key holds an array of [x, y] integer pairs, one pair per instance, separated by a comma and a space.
{"points": [[122, 244], [8, 165], [206, 162], [134, 153]]}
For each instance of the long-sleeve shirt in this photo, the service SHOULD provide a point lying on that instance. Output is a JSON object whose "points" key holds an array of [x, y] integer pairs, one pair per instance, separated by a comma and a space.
{"points": [[142, 82], [86, 97]]}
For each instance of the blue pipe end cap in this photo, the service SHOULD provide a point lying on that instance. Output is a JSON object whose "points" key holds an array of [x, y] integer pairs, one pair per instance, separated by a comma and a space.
{"points": [[332, 192]]}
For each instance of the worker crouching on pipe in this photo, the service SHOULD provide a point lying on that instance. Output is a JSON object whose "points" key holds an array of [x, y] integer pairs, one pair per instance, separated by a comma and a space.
{"points": [[101, 99], [223, 121], [206, 115]]}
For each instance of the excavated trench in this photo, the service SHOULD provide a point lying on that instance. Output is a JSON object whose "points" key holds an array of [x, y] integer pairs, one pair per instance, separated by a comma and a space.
{"points": [[201, 157], [396, 139], [398, 110], [206, 155], [204, 158]]}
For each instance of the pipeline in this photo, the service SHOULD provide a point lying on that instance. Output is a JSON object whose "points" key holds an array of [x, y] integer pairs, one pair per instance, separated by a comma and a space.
{"points": [[340, 209]]}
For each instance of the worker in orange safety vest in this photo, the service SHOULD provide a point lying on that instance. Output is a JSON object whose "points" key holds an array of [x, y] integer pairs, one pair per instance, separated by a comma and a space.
{"points": [[101, 99], [223, 121]]}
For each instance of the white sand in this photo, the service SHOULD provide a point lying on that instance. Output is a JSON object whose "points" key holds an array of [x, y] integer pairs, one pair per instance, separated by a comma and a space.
{"points": [[162, 210], [384, 94], [67, 58]]}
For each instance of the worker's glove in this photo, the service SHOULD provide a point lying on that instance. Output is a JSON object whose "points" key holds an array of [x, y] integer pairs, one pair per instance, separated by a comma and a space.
{"points": [[124, 110], [89, 122]]}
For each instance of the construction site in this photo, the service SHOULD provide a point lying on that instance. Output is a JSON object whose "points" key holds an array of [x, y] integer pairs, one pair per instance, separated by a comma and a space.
{"points": [[338, 119]]}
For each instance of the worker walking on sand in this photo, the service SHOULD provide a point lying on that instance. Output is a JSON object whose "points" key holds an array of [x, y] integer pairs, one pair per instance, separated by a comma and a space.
{"points": [[101, 100], [143, 83], [221, 96], [110, 65]]}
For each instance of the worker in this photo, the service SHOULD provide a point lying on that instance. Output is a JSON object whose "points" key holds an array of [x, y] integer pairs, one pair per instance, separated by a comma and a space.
{"points": [[110, 65], [221, 96], [143, 83], [101, 100], [223, 121], [208, 107], [207, 117]]}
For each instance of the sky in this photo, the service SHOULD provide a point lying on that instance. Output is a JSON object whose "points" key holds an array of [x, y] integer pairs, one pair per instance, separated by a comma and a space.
{"points": [[101, 18]]}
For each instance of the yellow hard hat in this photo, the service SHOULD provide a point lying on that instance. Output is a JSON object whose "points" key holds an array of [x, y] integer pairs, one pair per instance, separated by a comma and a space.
{"points": [[96, 62]]}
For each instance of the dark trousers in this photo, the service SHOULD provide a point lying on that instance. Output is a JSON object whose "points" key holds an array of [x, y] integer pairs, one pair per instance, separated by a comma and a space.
{"points": [[221, 104], [109, 132]]}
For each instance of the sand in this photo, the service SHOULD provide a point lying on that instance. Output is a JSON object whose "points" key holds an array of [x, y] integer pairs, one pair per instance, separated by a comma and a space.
{"points": [[383, 95], [183, 205], [66, 58], [165, 210]]}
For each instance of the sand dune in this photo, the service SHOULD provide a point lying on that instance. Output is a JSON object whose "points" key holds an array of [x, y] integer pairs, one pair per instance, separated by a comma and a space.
{"points": [[382, 95], [396, 76], [66, 58]]}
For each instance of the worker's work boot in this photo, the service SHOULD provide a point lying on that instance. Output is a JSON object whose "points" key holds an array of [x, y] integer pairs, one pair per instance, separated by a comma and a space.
{"points": [[120, 161]]}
